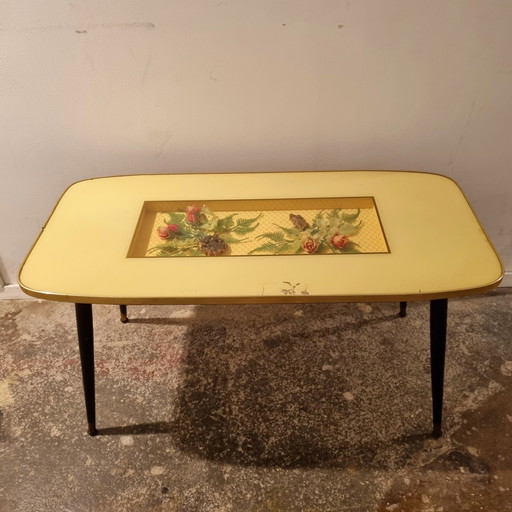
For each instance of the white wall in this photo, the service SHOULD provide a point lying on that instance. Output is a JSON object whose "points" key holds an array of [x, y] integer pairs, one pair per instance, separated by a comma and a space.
{"points": [[102, 88]]}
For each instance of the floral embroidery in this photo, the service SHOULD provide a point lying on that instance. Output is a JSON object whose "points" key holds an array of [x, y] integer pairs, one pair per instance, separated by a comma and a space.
{"points": [[198, 231], [328, 232]]}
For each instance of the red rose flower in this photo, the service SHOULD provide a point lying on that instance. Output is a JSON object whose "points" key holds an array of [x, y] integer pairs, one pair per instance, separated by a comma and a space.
{"points": [[163, 232], [339, 241], [310, 245], [173, 228], [193, 214]]}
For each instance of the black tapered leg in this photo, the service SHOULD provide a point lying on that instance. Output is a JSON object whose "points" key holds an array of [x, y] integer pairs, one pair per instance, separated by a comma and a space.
{"points": [[124, 316], [86, 344], [438, 321], [403, 309]]}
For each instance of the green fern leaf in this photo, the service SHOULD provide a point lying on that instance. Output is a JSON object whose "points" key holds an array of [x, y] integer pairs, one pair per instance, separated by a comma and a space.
{"points": [[285, 248], [275, 236], [226, 223], [247, 222], [232, 240], [244, 230], [164, 250], [349, 229], [350, 217], [289, 231], [266, 247]]}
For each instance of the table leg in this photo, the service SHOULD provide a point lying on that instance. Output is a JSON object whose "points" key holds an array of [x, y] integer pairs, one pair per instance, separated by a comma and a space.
{"points": [[86, 344], [124, 315], [403, 309], [438, 321]]}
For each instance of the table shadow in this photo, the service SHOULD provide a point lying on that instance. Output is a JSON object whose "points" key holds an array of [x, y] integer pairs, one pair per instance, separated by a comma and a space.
{"points": [[283, 386]]}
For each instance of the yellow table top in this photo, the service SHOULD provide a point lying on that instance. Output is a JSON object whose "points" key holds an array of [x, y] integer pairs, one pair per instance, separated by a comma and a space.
{"points": [[292, 237]]}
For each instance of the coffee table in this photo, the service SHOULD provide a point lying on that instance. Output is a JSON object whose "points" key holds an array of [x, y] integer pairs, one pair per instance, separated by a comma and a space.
{"points": [[294, 237]]}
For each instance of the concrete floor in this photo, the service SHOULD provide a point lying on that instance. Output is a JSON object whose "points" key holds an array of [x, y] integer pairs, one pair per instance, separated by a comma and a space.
{"points": [[256, 409]]}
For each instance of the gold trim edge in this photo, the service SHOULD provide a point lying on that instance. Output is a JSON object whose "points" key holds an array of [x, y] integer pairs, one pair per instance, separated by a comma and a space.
{"points": [[267, 299]]}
